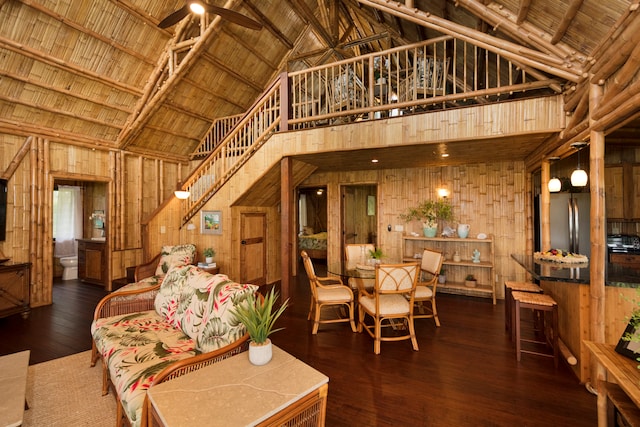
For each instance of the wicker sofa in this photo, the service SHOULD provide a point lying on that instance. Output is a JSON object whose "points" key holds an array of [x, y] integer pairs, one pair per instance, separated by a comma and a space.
{"points": [[150, 335]]}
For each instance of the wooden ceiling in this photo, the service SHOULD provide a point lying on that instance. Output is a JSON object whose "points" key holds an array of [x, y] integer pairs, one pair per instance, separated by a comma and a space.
{"points": [[97, 73]]}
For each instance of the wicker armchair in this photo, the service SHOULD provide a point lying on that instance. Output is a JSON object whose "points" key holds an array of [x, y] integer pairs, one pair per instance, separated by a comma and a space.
{"points": [[426, 290], [356, 253]]}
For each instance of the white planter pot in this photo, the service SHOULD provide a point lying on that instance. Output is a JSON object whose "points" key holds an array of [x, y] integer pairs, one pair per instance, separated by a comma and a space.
{"points": [[442, 279], [260, 354], [208, 260]]}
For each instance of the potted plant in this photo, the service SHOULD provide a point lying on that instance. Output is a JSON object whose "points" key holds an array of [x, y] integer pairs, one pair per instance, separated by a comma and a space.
{"points": [[442, 276], [209, 253], [259, 317], [376, 255], [470, 281], [429, 212]]}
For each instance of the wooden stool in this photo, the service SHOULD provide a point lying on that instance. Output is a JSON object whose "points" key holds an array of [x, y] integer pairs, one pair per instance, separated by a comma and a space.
{"points": [[509, 286], [541, 303]]}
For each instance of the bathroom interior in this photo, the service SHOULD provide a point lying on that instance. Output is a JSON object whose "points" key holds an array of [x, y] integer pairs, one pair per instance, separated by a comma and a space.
{"points": [[79, 212]]}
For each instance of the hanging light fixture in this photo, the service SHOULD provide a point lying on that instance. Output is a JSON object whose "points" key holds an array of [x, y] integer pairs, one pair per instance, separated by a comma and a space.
{"points": [[554, 184], [180, 193], [579, 177]]}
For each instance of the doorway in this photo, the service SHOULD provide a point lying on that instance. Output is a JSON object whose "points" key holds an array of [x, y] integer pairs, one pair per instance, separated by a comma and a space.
{"points": [[359, 214]]}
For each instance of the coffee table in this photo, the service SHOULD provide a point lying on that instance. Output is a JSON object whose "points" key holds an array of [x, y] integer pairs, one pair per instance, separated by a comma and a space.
{"points": [[13, 374], [233, 392]]}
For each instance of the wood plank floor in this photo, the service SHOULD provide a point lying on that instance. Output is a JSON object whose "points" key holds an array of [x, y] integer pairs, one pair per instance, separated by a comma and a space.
{"points": [[465, 373]]}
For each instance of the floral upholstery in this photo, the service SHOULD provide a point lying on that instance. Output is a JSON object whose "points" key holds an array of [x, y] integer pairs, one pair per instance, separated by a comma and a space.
{"points": [[173, 256], [192, 316]]}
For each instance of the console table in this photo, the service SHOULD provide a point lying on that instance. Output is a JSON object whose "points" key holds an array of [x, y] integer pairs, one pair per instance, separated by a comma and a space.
{"points": [[14, 289], [234, 392]]}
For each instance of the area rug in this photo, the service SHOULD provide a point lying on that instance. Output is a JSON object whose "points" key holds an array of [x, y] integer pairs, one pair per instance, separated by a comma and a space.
{"points": [[68, 392]]}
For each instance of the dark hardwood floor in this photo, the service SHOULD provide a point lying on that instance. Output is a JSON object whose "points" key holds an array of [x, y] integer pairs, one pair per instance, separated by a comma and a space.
{"points": [[465, 373]]}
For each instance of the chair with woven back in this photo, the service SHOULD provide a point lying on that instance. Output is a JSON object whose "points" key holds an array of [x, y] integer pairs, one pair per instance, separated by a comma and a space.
{"points": [[426, 289], [326, 292], [390, 301], [357, 253]]}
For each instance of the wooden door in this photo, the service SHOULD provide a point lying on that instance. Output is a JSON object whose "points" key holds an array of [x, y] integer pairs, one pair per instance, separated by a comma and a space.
{"points": [[359, 223], [253, 256]]}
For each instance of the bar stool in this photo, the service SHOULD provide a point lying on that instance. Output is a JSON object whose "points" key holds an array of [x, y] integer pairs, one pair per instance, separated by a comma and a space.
{"points": [[540, 303], [509, 286]]}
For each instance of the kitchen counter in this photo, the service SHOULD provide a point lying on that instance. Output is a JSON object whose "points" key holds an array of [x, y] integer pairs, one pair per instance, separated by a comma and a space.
{"points": [[617, 275]]}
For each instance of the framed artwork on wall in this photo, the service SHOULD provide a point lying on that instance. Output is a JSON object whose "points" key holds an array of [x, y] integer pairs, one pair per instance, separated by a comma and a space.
{"points": [[211, 222]]}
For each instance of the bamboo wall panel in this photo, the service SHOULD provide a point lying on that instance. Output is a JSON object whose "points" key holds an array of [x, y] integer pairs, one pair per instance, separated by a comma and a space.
{"points": [[132, 189]]}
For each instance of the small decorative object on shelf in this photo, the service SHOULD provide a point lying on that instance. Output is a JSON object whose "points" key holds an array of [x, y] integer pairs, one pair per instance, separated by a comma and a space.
{"points": [[463, 230], [259, 317], [442, 276], [476, 256], [456, 257], [470, 281]]}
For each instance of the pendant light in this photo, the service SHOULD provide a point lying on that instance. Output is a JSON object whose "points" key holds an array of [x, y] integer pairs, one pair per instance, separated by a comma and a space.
{"points": [[180, 193], [554, 184], [579, 177]]}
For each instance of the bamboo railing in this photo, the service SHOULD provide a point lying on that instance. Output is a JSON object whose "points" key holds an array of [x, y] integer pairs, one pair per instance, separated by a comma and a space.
{"points": [[443, 72]]}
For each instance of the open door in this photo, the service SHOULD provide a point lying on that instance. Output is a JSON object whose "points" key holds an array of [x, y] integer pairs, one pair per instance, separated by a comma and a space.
{"points": [[253, 254], [359, 214]]}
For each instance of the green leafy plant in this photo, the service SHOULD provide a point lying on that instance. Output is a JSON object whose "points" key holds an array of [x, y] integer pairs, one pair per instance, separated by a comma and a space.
{"points": [[209, 252], [429, 212], [259, 315], [376, 254]]}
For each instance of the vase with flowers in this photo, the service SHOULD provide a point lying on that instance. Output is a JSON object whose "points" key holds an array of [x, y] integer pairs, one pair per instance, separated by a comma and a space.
{"points": [[429, 212]]}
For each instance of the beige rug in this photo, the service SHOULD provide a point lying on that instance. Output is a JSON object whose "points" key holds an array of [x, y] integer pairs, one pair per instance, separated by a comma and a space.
{"points": [[68, 392]]}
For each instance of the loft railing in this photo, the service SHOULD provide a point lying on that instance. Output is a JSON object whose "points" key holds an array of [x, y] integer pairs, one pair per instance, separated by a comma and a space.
{"points": [[444, 72]]}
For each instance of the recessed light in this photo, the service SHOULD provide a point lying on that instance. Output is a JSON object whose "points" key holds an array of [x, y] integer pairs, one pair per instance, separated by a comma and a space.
{"points": [[374, 160], [444, 155]]}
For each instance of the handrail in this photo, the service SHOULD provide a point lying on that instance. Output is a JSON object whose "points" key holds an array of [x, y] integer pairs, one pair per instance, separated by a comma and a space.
{"points": [[246, 137]]}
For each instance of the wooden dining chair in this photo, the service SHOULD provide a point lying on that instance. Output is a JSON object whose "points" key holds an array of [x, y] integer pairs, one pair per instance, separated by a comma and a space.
{"points": [[426, 289], [390, 304], [358, 253], [325, 292]]}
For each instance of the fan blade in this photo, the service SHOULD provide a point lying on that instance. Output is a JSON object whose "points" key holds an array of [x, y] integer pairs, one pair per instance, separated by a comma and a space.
{"points": [[235, 17], [174, 18]]}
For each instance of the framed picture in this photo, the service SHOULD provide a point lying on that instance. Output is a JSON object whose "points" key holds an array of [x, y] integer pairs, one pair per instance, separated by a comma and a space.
{"points": [[630, 347], [211, 222], [371, 205]]}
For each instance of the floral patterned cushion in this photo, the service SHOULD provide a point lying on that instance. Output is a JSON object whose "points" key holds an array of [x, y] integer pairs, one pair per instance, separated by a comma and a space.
{"points": [[135, 348], [173, 256], [198, 303]]}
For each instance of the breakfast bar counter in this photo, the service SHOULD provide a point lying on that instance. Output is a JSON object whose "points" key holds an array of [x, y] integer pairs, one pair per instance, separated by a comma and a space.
{"points": [[569, 285]]}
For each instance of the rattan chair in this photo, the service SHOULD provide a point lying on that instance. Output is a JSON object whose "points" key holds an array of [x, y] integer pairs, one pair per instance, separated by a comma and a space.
{"points": [[357, 253], [387, 305], [426, 289], [325, 292]]}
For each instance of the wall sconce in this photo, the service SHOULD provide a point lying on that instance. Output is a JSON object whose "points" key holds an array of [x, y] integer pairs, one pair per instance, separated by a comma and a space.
{"points": [[443, 193], [191, 226], [579, 177], [554, 184]]}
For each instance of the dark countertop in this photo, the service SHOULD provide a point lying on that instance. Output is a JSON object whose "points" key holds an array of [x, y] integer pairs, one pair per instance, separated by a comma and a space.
{"points": [[542, 270]]}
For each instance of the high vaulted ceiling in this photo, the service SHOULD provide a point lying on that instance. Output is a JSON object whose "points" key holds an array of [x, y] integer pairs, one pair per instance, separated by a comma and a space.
{"points": [[103, 73]]}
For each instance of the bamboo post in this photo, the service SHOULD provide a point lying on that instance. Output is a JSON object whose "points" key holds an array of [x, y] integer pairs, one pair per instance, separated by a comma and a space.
{"points": [[545, 206], [286, 225]]}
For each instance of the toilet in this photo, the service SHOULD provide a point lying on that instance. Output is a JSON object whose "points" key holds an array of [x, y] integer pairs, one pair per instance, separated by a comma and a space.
{"points": [[70, 265]]}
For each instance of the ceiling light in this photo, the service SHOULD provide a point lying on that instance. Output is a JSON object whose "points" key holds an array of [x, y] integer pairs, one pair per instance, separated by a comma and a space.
{"points": [[180, 194], [579, 177], [444, 155], [554, 184], [374, 160], [196, 8]]}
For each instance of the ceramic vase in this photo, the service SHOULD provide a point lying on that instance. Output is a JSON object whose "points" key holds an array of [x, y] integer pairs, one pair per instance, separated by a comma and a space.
{"points": [[260, 354], [463, 230], [208, 260]]}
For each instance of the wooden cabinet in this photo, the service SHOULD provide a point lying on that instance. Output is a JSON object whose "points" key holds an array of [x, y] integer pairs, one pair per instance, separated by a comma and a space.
{"points": [[14, 289], [456, 271], [92, 262], [627, 260], [622, 192]]}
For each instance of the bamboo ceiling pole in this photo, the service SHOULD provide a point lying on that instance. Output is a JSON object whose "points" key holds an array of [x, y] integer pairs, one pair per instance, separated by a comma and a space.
{"points": [[624, 76], [619, 51], [507, 49]]}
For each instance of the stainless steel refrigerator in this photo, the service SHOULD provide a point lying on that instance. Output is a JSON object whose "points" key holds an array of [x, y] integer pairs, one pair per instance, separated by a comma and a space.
{"points": [[570, 222]]}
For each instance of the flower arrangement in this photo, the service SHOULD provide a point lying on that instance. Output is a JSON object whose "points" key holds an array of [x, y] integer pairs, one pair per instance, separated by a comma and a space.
{"points": [[376, 254], [208, 252]]}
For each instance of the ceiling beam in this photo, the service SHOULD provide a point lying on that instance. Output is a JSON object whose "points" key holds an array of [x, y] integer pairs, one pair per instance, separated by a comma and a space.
{"points": [[567, 19], [269, 25]]}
